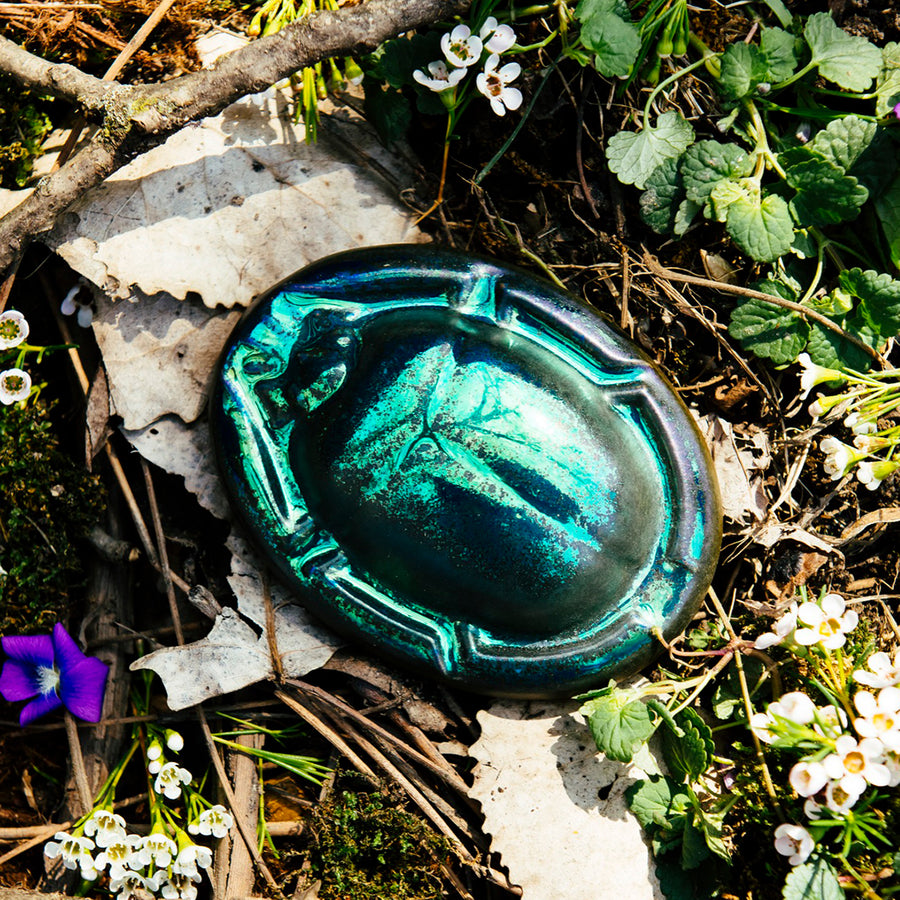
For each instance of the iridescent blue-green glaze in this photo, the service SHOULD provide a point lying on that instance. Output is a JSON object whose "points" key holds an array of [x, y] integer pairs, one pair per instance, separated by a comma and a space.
{"points": [[466, 469]]}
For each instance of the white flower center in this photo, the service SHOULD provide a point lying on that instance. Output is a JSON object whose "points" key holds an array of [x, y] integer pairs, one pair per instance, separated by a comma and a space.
{"points": [[854, 762], [47, 679], [494, 85], [9, 329]]}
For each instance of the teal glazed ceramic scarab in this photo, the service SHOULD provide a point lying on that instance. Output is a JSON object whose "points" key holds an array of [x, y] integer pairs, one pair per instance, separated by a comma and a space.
{"points": [[467, 470]]}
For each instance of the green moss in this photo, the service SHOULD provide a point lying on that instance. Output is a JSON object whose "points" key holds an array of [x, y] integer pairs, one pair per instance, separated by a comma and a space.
{"points": [[47, 503], [367, 847], [24, 122]]}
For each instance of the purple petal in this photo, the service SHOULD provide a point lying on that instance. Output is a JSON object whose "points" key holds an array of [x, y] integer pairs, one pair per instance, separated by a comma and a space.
{"points": [[66, 652], [18, 681], [82, 688], [36, 650], [39, 707]]}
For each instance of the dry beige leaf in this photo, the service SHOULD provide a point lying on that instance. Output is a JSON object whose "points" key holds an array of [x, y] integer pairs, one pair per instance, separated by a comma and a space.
{"points": [[160, 355], [556, 808], [184, 450], [740, 462], [230, 206]]}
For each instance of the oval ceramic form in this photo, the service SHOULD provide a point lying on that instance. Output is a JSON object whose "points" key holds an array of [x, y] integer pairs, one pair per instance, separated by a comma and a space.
{"points": [[467, 470]]}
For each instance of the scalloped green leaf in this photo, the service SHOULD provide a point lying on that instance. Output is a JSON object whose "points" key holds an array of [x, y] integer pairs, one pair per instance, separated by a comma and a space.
{"points": [[887, 207], [658, 800], [777, 46], [634, 156], [850, 61], [843, 141], [605, 32], [826, 348], [706, 163], [887, 87], [879, 297], [761, 227], [825, 195], [769, 331], [815, 880], [665, 191], [686, 756], [684, 215], [743, 67], [619, 725]]}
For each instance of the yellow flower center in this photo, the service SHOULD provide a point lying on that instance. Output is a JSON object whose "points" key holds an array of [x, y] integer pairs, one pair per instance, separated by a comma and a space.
{"points": [[854, 762]]}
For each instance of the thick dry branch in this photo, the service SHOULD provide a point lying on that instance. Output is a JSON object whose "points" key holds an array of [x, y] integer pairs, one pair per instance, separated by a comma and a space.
{"points": [[137, 118], [59, 79]]}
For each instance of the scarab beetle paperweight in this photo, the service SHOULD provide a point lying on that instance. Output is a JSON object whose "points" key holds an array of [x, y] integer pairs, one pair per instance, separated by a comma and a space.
{"points": [[467, 470]]}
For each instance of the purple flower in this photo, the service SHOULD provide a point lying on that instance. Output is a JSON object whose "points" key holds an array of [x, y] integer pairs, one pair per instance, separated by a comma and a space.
{"points": [[897, 110], [51, 671]]}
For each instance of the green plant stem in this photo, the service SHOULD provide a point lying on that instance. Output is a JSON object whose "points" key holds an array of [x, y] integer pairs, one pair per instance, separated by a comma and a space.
{"points": [[820, 265], [762, 139], [866, 891], [708, 676]]}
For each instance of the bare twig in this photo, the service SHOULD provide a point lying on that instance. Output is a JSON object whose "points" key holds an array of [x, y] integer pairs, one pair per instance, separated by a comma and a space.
{"points": [[662, 272], [249, 838], [81, 779]]}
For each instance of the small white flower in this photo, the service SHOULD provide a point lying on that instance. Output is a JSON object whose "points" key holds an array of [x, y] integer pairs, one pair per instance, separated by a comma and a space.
{"points": [[795, 706], [831, 721], [174, 740], [191, 857], [811, 809], [130, 883], [829, 622], [71, 305], [813, 375], [879, 718], [840, 458], [494, 84], [892, 761], [216, 821], [881, 673], [439, 77], [839, 800], [160, 848], [154, 751], [118, 855], [15, 385], [496, 38], [795, 842], [808, 778], [74, 851], [180, 887], [169, 780], [856, 764], [860, 425], [461, 47], [871, 474], [760, 724], [781, 630], [105, 827], [13, 329]]}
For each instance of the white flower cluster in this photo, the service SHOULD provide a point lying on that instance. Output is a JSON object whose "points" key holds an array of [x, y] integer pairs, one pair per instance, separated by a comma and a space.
{"points": [[864, 400], [154, 862], [462, 49], [826, 623], [845, 764], [165, 862], [15, 383]]}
